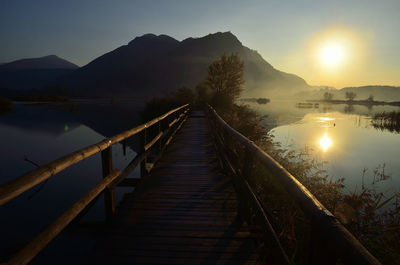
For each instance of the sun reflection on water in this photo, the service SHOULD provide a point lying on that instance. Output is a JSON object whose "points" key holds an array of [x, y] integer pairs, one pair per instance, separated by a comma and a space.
{"points": [[325, 119], [325, 142]]}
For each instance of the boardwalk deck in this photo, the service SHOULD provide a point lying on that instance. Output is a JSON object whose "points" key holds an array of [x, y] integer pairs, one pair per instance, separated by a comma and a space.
{"points": [[184, 212]]}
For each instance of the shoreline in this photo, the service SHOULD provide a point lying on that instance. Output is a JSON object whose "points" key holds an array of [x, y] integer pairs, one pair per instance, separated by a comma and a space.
{"points": [[355, 102]]}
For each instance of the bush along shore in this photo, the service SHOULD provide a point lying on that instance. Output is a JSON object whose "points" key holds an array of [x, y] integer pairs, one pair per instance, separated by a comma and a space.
{"points": [[387, 121]]}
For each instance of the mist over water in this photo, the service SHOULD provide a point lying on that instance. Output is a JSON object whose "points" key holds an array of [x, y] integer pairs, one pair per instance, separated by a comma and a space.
{"points": [[341, 135]]}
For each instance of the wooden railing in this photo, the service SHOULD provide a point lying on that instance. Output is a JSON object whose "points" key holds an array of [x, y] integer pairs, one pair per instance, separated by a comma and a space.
{"points": [[330, 241], [168, 124]]}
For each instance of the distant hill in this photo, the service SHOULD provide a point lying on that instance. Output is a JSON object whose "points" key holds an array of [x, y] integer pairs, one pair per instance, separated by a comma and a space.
{"points": [[386, 93], [46, 62], [153, 65], [33, 73]]}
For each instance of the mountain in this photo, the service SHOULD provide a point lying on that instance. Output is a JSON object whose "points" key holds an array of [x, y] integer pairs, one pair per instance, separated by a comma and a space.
{"points": [[153, 65], [33, 73], [46, 62]]}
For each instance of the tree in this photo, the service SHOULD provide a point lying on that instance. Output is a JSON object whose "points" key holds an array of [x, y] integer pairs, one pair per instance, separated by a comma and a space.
{"points": [[225, 78], [328, 96], [370, 98], [222, 87], [350, 95]]}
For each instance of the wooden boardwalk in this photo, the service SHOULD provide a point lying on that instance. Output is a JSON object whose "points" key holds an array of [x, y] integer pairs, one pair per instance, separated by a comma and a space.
{"points": [[184, 212]]}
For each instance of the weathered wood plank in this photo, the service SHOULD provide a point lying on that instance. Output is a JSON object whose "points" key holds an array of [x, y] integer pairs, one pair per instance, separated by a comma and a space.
{"points": [[184, 211]]}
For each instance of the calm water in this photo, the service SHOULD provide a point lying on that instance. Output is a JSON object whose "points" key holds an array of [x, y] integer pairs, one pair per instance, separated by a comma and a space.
{"points": [[342, 136], [40, 134]]}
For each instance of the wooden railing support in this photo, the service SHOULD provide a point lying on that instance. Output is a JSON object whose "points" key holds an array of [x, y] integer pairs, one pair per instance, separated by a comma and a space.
{"points": [[30, 250], [109, 193], [342, 246], [16, 187], [111, 178], [143, 164], [124, 147], [160, 129]]}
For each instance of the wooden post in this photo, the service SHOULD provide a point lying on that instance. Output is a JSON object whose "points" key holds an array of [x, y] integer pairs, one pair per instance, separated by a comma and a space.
{"points": [[143, 164], [124, 147], [159, 141], [109, 200]]}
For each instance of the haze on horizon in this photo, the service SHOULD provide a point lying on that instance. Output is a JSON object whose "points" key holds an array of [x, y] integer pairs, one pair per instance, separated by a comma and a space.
{"points": [[334, 43]]}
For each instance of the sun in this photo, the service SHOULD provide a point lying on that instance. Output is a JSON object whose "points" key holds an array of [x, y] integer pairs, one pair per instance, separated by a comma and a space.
{"points": [[336, 51], [332, 54]]}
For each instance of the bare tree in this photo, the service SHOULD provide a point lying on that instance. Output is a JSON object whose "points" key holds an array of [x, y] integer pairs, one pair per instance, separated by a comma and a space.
{"points": [[328, 96], [350, 95]]}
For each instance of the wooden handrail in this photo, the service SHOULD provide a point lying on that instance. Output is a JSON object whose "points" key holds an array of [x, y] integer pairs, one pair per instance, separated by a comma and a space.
{"points": [[29, 180], [111, 178], [25, 255], [349, 249]]}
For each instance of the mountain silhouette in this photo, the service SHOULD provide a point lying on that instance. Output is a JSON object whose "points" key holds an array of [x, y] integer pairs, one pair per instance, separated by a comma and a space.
{"points": [[152, 65], [33, 73], [46, 62]]}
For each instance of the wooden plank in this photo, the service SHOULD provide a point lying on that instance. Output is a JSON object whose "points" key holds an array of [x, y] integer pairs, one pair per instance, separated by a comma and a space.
{"points": [[183, 212]]}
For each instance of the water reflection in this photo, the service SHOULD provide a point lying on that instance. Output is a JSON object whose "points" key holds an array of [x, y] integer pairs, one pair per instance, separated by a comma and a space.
{"points": [[41, 134], [325, 142], [281, 112], [348, 143]]}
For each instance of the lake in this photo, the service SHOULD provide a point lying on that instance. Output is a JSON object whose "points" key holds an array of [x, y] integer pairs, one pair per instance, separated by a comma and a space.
{"points": [[341, 135], [36, 134]]}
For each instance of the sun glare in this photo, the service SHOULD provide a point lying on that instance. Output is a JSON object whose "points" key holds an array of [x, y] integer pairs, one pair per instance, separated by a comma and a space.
{"points": [[336, 51], [325, 142], [332, 54]]}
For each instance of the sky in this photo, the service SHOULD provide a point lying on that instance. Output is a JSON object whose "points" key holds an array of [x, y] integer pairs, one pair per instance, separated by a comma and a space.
{"points": [[305, 38]]}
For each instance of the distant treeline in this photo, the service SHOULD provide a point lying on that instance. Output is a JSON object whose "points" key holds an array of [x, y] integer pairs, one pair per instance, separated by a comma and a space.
{"points": [[258, 100], [381, 93], [358, 102]]}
